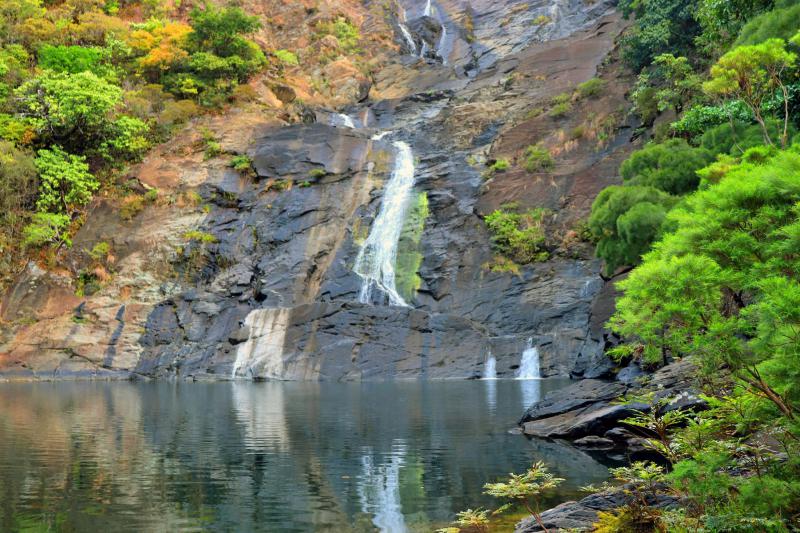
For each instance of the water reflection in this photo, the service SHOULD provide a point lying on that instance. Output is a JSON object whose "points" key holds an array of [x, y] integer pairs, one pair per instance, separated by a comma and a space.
{"points": [[531, 390], [266, 456], [379, 490]]}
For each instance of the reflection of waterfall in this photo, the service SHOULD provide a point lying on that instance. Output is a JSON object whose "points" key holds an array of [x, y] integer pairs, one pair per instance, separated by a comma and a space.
{"points": [[529, 366], [531, 390], [376, 259], [379, 491], [490, 369], [260, 410], [262, 354], [339, 119]]}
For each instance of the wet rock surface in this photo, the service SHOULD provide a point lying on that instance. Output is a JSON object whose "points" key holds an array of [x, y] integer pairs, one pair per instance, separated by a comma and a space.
{"points": [[582, 514], [286, 235]]}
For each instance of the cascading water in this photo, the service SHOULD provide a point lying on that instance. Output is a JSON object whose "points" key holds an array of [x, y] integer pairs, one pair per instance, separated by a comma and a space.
{"points": [[339, 119], [490, 370], [529, 366], [427, 11], [376, 259], [412, 46]]}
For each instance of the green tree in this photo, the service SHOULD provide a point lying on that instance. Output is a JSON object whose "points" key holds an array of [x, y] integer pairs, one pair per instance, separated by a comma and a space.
{"points": [[670, 166], [723, 286], [65, 181], [752, 74], [661, 26], [69, 109], [625, 220], [71, 59], [46, 228]]}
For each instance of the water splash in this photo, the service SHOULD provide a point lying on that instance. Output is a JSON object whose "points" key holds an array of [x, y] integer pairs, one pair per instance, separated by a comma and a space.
{"points": [[490, 369], [339, 119], [376, 259], [529, 366], [262, 354], [379, 491]]}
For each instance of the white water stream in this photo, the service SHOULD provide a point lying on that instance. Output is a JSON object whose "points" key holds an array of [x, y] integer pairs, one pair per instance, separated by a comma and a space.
{"points": [[490, 370], [376, 259], [529, 366], [339, 119]]}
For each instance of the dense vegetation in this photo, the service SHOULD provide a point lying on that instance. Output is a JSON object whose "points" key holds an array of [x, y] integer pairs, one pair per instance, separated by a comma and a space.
{"points": [[87, 87], [709, 217]]}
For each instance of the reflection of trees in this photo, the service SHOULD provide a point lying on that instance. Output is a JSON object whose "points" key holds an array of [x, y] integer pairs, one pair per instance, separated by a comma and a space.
{"points": [[307, 457]]}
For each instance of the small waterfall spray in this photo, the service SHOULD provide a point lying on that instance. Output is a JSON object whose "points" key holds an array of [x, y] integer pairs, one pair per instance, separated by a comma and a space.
{"points": [[412, 46], [490, 369], [529, 366], [376, 260], [339, 119]]}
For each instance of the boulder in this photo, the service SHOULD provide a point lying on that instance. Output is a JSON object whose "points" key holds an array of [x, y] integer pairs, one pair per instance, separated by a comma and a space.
{"points": [[581, 394], [592, 420], [582, 514]]}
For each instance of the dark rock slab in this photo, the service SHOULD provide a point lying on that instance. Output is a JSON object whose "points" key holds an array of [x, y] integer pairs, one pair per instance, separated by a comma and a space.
{"points": [[584, 393]]}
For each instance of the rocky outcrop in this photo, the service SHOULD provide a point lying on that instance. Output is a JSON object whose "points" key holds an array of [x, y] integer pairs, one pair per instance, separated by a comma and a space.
{"points": [[589, 413]]}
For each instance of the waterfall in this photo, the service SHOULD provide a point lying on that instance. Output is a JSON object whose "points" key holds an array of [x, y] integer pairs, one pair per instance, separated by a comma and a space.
{"points": [[379, 491], [529, 366], [442, 40], [262, 354], [376, 259], [339, 119], [412, 46], [427, 11], [490, 369]]}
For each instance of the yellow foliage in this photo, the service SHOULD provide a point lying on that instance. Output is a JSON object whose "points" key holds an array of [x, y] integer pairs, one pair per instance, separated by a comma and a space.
{"points": [[162, 56]]}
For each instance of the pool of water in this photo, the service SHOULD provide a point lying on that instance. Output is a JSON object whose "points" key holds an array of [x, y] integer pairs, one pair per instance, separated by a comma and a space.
{"points": [[393, 457]]}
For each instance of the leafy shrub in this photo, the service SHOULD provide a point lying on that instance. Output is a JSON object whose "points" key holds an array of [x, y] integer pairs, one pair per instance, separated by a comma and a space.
{"points": [[71, 59], [519, 236], [560, 110], [200, 236], [538, 158], [700, 118], [736, 139], [127, 140], [46, 228], [774, 24], [625, 220], [286, 57], [590, 88], [18, 185], [131, 206], [346, 33], [242, 163], [661, 26], [69, 109], [671, 166], [65, 181]]}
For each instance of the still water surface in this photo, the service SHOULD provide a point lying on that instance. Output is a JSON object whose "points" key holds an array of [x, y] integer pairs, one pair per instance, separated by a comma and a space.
{"points": [[393, 457]]}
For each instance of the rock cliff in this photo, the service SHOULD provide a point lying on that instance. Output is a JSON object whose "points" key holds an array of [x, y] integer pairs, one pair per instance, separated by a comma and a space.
{"points": [[251, 274]]}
